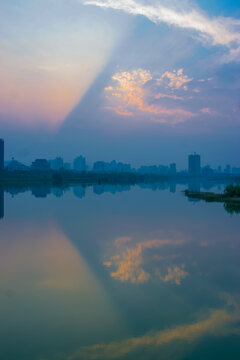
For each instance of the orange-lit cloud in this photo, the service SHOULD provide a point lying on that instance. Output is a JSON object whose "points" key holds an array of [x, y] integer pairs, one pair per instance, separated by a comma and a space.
{"points": [[175, 80], [175, 274], [131, 259], [162, 96], [129, 95], [208, 111], [218, 323]]}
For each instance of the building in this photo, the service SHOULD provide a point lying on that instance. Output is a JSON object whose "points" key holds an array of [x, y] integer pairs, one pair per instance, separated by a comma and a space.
{"points": [[236, 170], [117, 167], [194, 165], [40, 165], [99, 166], [207, 171], [227, 169], [112, 167], [1, 154], [79, 164], [57, 163], [154, 170], [67, 166], [173, 169], [15, 165]]}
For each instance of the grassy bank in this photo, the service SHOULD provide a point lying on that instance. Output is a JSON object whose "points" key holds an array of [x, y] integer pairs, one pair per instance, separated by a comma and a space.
{"points": [[212, 197], [230, 198]]}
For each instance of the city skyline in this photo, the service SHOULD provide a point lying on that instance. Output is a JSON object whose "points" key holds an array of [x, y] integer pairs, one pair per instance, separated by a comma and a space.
{"points": [[80, 164]]}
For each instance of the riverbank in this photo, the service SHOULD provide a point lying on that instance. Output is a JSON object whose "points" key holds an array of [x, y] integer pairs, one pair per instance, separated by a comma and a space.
{"points": [[231, 203], [67, 178], [63, 178], [212, 197]]}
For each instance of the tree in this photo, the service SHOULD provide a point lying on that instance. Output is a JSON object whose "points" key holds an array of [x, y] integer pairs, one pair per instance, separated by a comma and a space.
{"points": [[231, 190]]}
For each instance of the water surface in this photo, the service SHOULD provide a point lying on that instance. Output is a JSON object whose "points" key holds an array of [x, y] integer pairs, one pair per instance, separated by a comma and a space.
{"points": [[118, 272]]}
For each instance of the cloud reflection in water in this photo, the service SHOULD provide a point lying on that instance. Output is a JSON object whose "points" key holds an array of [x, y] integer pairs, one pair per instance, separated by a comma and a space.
{"points": [[133, 261]]}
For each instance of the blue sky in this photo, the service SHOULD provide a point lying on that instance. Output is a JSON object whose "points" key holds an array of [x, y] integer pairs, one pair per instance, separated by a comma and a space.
{"points": [[139, 81]]}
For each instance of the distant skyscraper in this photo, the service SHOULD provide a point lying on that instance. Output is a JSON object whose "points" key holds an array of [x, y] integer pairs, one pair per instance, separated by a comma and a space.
{"points": [[1, 154], [79, 164], [194, 164]]}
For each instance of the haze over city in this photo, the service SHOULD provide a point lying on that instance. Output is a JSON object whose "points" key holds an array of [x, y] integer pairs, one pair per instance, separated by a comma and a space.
{"points": [[136, 81]]}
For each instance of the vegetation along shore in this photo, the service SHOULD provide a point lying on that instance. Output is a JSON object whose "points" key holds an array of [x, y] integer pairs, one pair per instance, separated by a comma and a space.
{"points": [[230, 197]]}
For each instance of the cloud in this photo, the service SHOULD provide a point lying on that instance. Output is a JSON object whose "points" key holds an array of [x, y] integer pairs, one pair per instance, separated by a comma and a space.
{"points": [[215, 31], [174, 274], [175, 80], [217, 324], [135, 93], [130, 260], [208, 111]]}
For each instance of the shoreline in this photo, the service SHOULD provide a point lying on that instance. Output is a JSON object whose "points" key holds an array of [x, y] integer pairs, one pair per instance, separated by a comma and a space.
{"points": [[27, 178], [230, 203], [212, 197]]}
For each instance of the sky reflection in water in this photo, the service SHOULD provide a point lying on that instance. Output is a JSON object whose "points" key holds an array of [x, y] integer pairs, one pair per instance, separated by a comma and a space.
{"points": [[143, 274]]}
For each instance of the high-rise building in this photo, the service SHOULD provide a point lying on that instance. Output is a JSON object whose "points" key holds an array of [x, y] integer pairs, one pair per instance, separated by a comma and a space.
{"points": [[79, 164], [194, 164], [1, 154]]}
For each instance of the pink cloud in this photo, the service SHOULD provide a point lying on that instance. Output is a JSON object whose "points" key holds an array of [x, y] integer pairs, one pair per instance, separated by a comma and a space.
{"points": [[129, 95]]}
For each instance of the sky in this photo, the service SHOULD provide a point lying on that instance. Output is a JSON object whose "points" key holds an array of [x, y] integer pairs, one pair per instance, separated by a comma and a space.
{"points": [[140, 81]]}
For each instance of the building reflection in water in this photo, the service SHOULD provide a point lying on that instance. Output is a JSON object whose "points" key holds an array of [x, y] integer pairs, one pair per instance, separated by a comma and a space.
{"points": [[41, 191], [113, 189], [173, 186], [1, 204], [79, 191]]}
